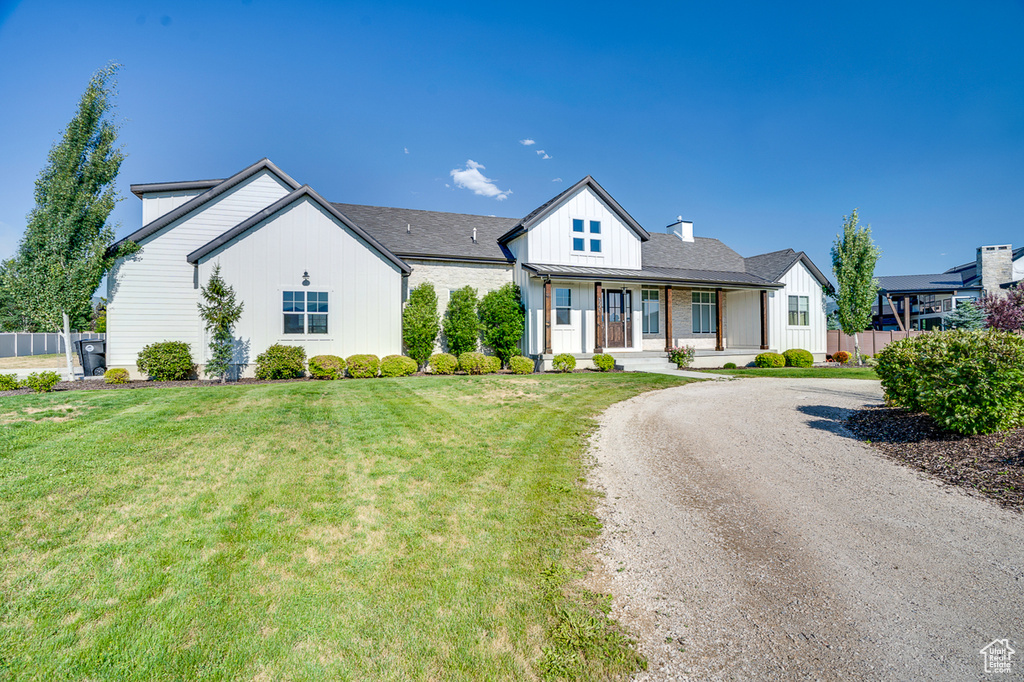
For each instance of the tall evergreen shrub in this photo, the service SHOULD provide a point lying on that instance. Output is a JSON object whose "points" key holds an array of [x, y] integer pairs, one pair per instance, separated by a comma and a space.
{"points": [[421, 323], [503, 319], [461, 325]]}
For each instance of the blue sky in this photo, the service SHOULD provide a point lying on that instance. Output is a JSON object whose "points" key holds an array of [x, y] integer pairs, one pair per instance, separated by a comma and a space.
{"points": [[762, 123]]}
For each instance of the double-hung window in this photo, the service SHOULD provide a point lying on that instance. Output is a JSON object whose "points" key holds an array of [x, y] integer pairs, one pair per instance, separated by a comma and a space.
{"points": [[651, 304], [799, 311], [704, 312], [563, 306], [305, 312]]}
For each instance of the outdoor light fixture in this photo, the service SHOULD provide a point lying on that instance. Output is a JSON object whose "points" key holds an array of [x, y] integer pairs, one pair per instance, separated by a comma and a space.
{"points": [[305, 278]]}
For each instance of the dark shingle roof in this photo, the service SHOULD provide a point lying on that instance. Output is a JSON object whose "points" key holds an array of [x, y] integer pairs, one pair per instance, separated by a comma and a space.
{"points": [[703, 253], [772, 265], [431, 233], [654, 274], [911, 283]]}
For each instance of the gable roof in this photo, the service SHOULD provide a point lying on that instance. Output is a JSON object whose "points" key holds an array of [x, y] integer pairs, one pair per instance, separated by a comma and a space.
{"points": [[433, 235], [181, 186], [305, 191], [538, 214], [195, 202], [772, 266]]}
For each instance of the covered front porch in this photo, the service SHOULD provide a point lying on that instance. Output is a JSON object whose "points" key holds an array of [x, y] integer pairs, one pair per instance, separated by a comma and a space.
{"points": [[647, 316]]}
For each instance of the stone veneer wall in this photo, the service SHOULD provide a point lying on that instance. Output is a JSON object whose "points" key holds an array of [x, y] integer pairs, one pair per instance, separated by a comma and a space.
{"points": [[682, 322]]}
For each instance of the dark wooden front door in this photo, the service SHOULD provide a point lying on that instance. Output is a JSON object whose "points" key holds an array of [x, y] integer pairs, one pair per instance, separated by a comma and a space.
{"points": [[618, 318]]}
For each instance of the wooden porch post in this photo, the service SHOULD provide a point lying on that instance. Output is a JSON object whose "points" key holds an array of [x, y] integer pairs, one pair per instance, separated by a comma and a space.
{"points": [[668, 318], [906, 312], [598, 318], [547, 317], [718, 315], [764, 319]]}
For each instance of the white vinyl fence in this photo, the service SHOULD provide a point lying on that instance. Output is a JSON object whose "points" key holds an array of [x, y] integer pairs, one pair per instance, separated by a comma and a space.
{"points": [[13, 345]]}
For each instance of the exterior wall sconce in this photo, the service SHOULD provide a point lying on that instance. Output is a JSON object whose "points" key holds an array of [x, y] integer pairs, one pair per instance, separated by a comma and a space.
{"points": [[305, 278]]}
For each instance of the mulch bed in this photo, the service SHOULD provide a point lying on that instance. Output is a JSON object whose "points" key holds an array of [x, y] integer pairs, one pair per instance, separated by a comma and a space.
{"points": [[989, 465]]}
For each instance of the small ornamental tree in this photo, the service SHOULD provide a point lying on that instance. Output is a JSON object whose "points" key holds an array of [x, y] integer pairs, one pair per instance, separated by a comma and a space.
{"points": [[854, 255], [503, 319], [968, 316], [64, 253], [220, 313], [461, 325], [1006, 312], [421, 323]]}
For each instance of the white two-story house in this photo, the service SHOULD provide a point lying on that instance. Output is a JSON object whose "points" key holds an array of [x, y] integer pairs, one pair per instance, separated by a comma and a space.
{"points": [[333, 277]]}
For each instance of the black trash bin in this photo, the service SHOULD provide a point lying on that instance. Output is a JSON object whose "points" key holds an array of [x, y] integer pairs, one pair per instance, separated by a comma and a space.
{"points": [[92, 353]]}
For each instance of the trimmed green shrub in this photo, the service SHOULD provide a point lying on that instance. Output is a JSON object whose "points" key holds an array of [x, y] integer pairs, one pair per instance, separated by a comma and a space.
{"points": [[842, 357], [443, 363], [563, 362], [461, 325], [363, 366], [493, 364], [167, 361], [604, 362], [521, 365], [420, 323], [798, 357], [682, 355], [9, 382], [770, 360], [969, 382], [397, 366], [503, 320], [473, 362], [116, 375], [729, 365], [281, 362], [326, 367], [41, 382]]}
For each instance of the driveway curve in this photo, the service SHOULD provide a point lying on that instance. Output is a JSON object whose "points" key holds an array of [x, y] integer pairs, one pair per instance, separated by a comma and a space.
{"points": [[748, 535]]}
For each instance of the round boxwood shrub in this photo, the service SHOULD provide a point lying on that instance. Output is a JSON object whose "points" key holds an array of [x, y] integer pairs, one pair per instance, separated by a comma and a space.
{"points": [[729, 365], [397, 366], [770, 360], [41, 382], [493, 364], [563, 362], [604, 362], [167, 361], [842, 357], [9, 382], [472, 362], [798, 357], [521, 365], [363, 366], [281, 362], [116, 375], [326, 367], [443, 363]]}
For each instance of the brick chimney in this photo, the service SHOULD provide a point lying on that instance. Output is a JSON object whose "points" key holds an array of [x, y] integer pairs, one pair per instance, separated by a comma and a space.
{"points": [[682, 229], [995, 267]]}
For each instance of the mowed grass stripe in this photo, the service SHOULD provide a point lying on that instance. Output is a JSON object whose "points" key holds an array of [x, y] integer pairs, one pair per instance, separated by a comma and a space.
{"points": [[385, 529]]}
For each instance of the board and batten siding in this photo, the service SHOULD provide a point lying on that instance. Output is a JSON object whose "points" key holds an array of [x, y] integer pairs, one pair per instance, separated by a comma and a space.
{"points": [[798, 281], [152, 295], [550, 241], [743, 319], [156, 204], [364, 313]]}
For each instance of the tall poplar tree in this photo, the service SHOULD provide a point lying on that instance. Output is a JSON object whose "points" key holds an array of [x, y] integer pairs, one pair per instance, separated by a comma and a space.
{"points": [[63, 255], [854, 255]]}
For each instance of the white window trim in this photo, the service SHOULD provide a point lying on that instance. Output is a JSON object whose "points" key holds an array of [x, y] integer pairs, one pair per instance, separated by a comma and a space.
{"points": [[587, 236], [305, 336], [798, 326]]}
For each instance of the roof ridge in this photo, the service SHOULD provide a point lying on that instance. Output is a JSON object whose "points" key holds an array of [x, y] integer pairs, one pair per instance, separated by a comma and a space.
{"points": [[420, 210]]}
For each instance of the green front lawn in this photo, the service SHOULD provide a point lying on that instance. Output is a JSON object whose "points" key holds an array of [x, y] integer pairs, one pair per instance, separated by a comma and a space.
{"points": [[425, 528], [800, 372]]}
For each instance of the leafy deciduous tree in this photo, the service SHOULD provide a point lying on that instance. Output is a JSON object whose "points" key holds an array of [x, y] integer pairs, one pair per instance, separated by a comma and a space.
{"points": [[461, 325], [966, 316], [854, 255], [421, 323], [504, 320], [220, 314], [64, 253], [1004, 312]]}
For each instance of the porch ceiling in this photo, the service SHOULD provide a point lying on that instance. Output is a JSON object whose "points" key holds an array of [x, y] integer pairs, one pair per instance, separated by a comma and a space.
{"points": [[651, 275]]}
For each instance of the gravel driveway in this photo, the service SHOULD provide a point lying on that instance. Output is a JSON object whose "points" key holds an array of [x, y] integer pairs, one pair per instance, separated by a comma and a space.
{"points": [[748, 535]]}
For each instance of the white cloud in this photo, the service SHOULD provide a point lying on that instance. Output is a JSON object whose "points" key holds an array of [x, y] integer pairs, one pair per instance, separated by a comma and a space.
{"points": [[543, 154], [471, 178], [557, 180], [527, 142], [406, 150]]}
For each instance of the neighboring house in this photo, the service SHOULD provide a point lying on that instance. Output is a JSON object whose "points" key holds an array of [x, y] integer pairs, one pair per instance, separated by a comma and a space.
{"points": [[333, 277], [922, 302]]}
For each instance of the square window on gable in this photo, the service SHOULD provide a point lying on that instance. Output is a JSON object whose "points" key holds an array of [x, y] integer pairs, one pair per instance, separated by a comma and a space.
{"points": [[577, 225], [577, 243], [595, 245], [595, 227]]}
